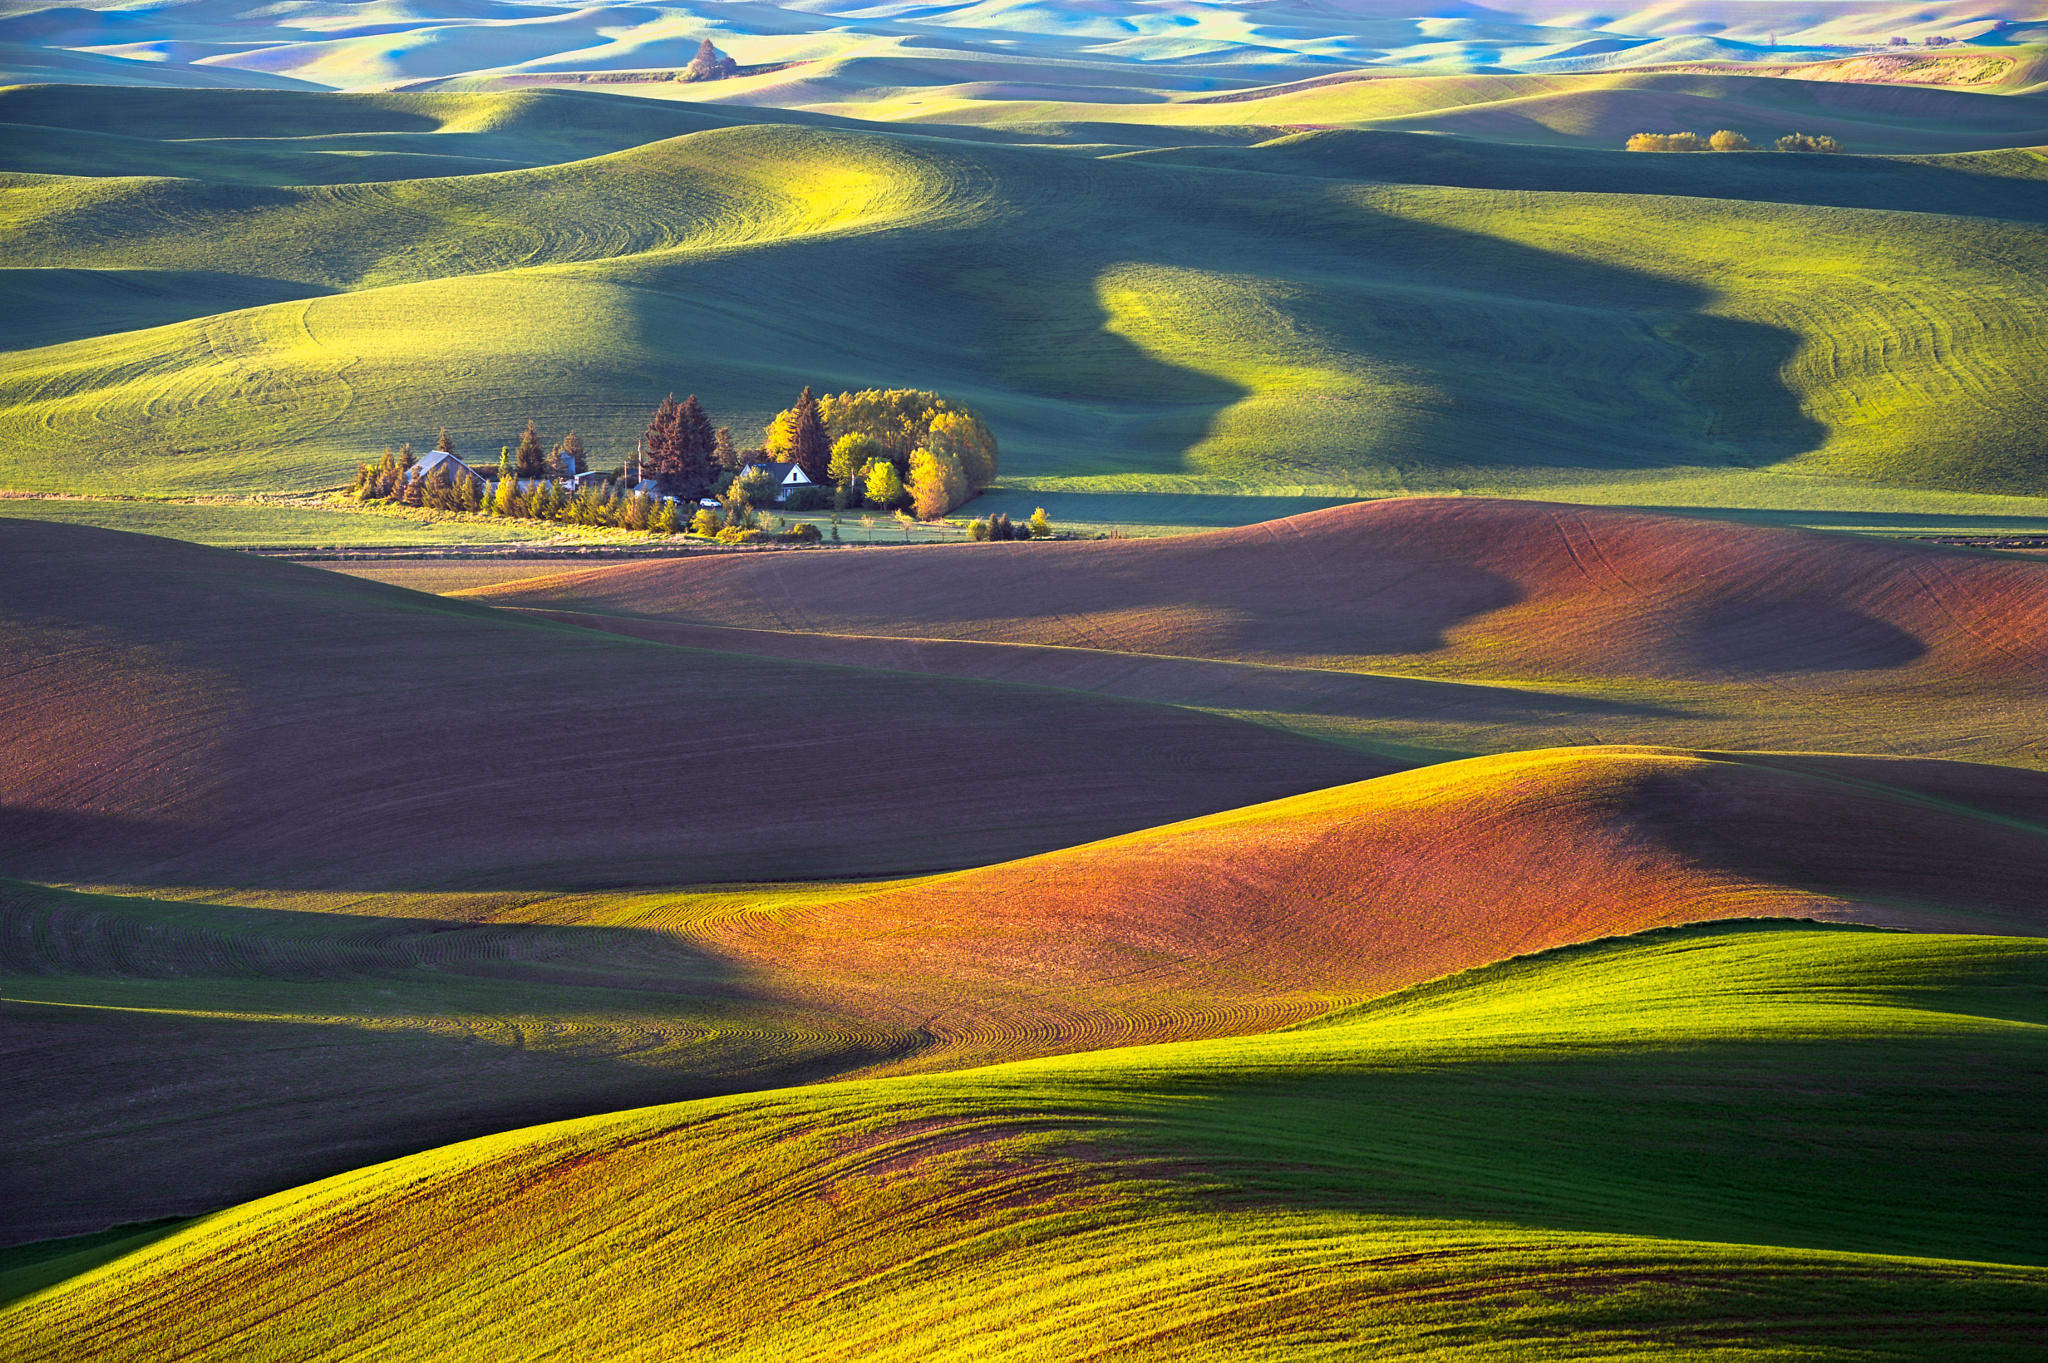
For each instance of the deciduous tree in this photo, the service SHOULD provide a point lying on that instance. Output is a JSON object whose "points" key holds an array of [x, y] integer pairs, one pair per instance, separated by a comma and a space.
{"points": [[936, 485]]}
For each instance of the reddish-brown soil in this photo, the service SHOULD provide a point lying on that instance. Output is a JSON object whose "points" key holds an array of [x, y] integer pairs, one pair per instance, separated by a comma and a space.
{"points": [[1547, 589], [1244, 920], [1580, 624], [174, 714]]}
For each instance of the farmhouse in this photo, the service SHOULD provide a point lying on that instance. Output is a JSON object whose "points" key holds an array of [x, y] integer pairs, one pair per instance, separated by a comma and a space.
{"points": [[787, 475], [443, 459]]}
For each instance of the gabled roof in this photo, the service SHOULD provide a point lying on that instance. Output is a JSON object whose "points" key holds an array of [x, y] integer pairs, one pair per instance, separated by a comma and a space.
{"points": [[434, 459], [779, 470]]}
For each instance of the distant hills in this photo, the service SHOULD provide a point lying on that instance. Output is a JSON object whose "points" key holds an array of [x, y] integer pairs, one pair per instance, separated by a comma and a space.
{"points": [[1240, 310]]}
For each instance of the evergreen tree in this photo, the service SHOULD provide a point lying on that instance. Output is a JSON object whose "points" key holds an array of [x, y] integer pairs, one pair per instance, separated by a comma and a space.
{"points": [[573, 461], [406, 458], [722, 452], [533, 455], [809, 446], [659, 455], [695, 447], [444, 443]]}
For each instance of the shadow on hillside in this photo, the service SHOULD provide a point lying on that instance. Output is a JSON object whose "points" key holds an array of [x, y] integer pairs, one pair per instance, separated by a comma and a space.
{"points": [[1452, 349], [52, 306], [372, 1037], [1469, 163], [1907, 1142], [1930, 521]]}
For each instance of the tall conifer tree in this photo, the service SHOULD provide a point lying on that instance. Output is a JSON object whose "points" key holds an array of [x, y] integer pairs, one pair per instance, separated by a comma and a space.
{"points": [[695, 448], [658, 453], [809, 446], [532, 458]]}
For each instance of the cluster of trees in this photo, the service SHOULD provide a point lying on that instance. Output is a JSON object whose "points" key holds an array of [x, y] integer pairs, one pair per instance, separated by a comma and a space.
{"points": [[683, 453], [1726, 140], [891, 447], [999, 528], [709, 64], [391, 481]]}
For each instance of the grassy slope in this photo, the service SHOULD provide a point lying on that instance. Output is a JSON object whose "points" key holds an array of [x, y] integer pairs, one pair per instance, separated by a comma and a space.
{"points": [[284, 1037], [244, 524], [1720, 1140], [1443, 626], [1594, 108], [292, 138], [1187, 328], [195, 716]]}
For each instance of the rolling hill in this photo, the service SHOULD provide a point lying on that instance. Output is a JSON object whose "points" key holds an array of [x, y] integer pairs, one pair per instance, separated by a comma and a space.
{"points": [[1755, 1141], [1208, 328], [367, 1025], [191, 716], [1448, 625]]}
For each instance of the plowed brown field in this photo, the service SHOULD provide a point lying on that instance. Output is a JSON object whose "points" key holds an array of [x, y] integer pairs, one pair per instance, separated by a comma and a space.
{"points": [[1242, 921], [1582, 625], [180, 715]]}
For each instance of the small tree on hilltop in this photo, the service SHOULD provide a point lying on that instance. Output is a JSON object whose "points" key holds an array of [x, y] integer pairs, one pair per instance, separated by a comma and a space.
{"points": [[532, 459], [709, 64], [809, 446], [1808, 142]]}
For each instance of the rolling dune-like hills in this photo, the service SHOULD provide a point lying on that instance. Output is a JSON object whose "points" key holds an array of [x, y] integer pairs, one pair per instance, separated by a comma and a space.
{"points": [[1188, 327], [364, 1026], [1532, 585], [1747, 1139], [185, 715]]}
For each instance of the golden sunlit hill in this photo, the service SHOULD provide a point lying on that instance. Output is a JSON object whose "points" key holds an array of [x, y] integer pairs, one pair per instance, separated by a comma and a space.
{"points": [[368, 1025], [1738, 1141]]}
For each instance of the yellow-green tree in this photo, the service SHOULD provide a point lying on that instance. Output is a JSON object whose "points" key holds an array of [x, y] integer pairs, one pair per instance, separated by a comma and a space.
{"points": [[937, 484], [882, 484]]}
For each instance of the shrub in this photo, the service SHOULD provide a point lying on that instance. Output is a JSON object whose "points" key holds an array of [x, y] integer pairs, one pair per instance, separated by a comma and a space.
{"points": [[705, 522], [732, 534], [1725, 140], [810, 498], [803, 532], [977, 530], [1667, 142], [1808, 142], [1040, 527]]}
